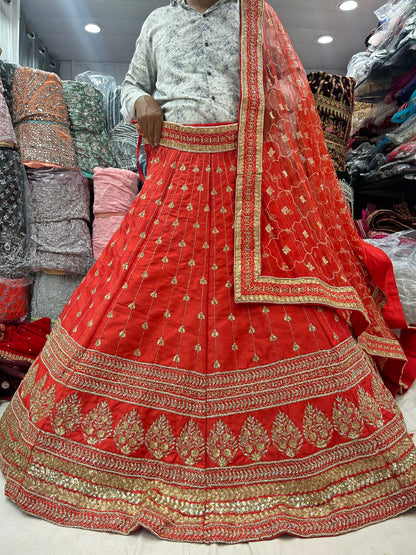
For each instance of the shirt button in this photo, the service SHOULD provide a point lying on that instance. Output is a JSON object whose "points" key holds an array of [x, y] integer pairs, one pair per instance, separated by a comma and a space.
{"points": [[206, 44], [204, 15], [208, 73], [212, 97]]}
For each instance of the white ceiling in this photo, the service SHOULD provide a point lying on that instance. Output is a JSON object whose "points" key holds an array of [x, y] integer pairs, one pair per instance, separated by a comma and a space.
{"points": [[59, 25]]}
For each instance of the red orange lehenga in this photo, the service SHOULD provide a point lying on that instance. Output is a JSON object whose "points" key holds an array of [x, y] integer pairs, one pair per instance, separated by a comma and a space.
{"points": [[160, 402]]}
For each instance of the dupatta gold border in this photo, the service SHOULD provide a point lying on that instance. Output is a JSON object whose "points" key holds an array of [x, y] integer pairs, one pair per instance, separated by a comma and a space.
{"points": [[249, 284]]}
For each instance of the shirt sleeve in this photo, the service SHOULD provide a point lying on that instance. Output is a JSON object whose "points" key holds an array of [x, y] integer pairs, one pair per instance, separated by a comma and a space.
{"points": [[140, 78]]}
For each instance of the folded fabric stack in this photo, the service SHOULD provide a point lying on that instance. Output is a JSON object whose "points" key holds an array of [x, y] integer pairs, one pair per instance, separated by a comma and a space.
{"points": [[61, 239], [14, 299], [51, 292], [88, 126], [40, 119], [123, 140], [19, 346], [114, 191]]}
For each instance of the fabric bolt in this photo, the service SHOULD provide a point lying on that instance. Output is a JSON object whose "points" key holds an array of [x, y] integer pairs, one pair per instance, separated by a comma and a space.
{"points": [[85, 107], [334, 97], [51, 292], [93, 150], [187, 389], [40, 119], [114, 191], [104, 83], [123, 141], [114, 116], [14, 240], [60, 235], [19, 346], [14, 299], [7, 134], [7, 71]]}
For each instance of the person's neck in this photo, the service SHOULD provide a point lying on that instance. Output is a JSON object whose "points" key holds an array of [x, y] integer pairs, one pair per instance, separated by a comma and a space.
{"points": [[201, 5]]}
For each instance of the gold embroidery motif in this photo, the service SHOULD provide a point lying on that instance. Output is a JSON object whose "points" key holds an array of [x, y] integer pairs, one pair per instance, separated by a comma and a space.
{"points": [[221, 444], [160, 439], [67, 415], [190, 444], [42, 402], [97, 424], [317, 428], [253, 441], [128, 434], [29, 382], [369, 409], [286, 436], [347, 418]]}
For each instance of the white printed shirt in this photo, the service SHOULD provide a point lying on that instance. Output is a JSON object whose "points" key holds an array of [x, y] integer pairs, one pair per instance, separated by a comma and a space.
{"points": [[189, 62]]}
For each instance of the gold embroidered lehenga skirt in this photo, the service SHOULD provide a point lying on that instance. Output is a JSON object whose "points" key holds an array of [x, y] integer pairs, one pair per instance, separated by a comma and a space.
{"points": [[160, 402]]}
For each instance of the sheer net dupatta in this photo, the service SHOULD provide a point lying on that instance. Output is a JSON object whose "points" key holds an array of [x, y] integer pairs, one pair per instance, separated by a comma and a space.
{"points": [[295, 239]]}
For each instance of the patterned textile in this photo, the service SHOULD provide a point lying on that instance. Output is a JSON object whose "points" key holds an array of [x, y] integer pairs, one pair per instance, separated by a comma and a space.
{"points": [[159, 401], [51, 292], [19, 346], [7, 135], [13, 231], [85, 107], [7, 71], [40, 119], [60, 236], [187, 84], [123, 141], [114, 116], [14, 299], [114, 191], [93, 150], [334, 96]]}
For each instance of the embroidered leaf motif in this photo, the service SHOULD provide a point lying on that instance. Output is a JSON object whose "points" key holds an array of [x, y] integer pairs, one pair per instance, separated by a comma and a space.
{"points": [[369, 409], [29, 382], [42, 401], [347, 418], [317, 428], [128, 434], [286, 436], [67, 415], [190, 444], [253, 441], [160, 439], [97, 424], [222, 445], [382, 395]]}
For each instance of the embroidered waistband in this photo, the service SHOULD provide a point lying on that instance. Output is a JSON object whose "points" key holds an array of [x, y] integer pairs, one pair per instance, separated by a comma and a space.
{"points": [[200, 138]]}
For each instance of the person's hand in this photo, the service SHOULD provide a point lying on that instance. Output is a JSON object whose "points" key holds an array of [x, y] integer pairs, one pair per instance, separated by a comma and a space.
{"points": [[149, 118]]}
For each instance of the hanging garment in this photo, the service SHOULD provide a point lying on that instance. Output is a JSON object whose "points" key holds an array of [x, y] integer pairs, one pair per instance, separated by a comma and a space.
{"points": [[182, 393], [334, 97], [60, 235], [14, 249], [114, 191], [41, 120]]}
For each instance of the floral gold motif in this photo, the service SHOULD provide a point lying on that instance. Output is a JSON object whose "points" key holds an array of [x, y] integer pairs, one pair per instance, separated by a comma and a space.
{"points": [[67, 415], [286, 436], [41, 401], [222, 444], [98, 424], [128, 434], [347, 418], [253, 441], [160, 439], [317, 428], [190, 444], [370, 410]]}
